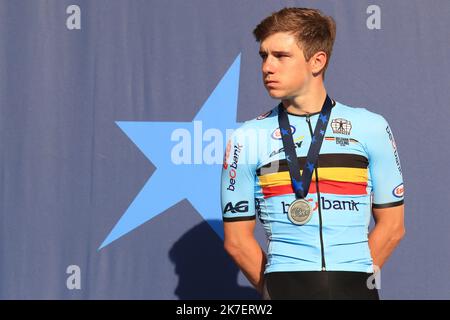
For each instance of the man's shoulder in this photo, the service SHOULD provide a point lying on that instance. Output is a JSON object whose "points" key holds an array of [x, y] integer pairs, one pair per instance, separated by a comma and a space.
{"points": [[265, 120], [363, 124], [359, 115], [266, 117], [251, 130]]}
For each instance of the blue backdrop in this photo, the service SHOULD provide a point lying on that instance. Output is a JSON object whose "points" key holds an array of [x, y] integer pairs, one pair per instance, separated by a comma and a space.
{"points": [[113, 117]]}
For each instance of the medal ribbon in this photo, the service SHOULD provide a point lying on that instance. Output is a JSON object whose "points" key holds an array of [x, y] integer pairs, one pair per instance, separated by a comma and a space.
{"points": [[301, 183]]}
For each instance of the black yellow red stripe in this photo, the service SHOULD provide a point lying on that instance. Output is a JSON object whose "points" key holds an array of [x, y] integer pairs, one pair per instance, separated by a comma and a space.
{"points": [[345, 174]]}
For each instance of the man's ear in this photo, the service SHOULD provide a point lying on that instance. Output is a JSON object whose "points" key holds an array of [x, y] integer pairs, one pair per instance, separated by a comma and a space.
{"points": [[318, 62]]}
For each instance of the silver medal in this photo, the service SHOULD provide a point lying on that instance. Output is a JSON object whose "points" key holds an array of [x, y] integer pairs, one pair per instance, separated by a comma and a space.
{"points": [[300, 212]]}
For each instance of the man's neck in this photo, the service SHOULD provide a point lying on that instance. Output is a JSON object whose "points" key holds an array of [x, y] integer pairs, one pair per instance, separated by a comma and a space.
{"points": [[308, 103]]}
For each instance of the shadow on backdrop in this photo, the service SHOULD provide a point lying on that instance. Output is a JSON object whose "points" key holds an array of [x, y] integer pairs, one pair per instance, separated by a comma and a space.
{"points": [[204, 269]]}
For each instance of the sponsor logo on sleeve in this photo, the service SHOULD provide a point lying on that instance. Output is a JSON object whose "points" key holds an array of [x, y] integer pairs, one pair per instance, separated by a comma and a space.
{"points": [[394, 147], [398, 191], [233, 166], [226, 155], [240, 207]]}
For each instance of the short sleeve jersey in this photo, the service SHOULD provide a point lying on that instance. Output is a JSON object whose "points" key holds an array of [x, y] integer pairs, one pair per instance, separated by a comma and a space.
{"points": [[358, 169]]}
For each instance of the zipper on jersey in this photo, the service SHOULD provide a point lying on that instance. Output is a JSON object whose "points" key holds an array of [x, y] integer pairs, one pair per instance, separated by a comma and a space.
{"points": [[318, 200]]}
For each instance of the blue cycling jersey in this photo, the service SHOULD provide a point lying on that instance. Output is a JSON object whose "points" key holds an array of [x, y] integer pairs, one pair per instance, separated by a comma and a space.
{"points": [[358, 169]]}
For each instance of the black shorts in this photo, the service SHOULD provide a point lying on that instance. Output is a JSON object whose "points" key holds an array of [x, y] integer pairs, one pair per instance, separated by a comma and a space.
{"points": [[321, 285]]}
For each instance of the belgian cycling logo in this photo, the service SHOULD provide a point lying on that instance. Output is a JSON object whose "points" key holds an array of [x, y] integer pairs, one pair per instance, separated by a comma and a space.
{"points": [[341, 126], [277, 134], [343, 142], [398, 191], [394, 147], [264, 115]]}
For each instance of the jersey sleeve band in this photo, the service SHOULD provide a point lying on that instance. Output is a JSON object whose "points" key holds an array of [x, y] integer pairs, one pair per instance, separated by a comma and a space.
{"points": [[388, 205], [225, 219]]}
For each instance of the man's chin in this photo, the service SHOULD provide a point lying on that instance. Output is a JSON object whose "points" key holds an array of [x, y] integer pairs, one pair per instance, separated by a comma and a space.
{"points": [[276, 94]]}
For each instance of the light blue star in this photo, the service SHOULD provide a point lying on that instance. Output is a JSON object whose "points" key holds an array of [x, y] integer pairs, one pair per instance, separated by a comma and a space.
{"points": [[313, 140], [284, 132], [323, 118], [310, 166], [172, 183], [322, 132]]}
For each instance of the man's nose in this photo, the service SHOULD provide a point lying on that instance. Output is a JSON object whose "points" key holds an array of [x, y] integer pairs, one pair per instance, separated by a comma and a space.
{"points": [[267, 66]]}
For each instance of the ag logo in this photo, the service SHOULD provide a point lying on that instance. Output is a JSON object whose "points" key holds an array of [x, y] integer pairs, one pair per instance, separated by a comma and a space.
{"points": [[240, 207]]}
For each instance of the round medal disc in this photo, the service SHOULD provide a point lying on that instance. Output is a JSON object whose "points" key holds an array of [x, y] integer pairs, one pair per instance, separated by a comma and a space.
{"points": [[300, 212]]}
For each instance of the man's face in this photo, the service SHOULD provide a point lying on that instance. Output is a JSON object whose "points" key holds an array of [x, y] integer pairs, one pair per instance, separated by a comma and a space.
{"points": [[286, 73]]}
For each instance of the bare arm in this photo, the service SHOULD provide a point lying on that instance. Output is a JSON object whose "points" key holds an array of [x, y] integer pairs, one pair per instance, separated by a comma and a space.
{"points": [[386, 235], [241, 245]]}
